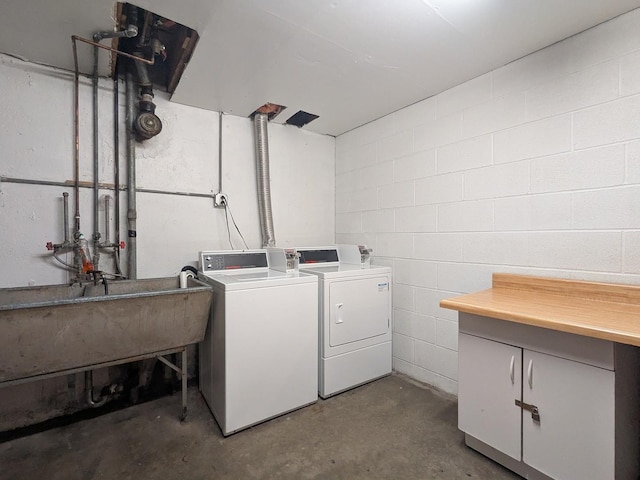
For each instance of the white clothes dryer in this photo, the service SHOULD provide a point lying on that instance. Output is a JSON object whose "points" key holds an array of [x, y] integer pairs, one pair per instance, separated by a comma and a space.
{"points": [[354, 314], [259, 357]]}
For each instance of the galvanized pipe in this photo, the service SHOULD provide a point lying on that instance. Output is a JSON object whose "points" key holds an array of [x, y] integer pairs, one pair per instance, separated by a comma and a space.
{"points": [[65, 203], [130, 32], [96, 166], [88, 391], [220, 152], [103, 186], [76, 131], [116, 167], [262, 173], [132, 213], [76, 38], [107, 209], [30, 181]]}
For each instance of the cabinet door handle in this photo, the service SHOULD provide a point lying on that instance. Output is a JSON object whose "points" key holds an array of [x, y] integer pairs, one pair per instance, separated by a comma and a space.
{"points": [[512, 368], [339, 313], [530, 373]]}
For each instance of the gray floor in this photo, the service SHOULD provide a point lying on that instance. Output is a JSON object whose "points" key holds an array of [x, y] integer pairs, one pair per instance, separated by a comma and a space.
{"points": [[392, 428]]}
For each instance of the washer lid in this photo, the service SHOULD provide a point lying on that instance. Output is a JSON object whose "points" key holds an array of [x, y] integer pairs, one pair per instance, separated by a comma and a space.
{"points": [[239, 280]]}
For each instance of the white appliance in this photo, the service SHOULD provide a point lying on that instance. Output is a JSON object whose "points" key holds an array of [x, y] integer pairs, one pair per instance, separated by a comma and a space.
{"points": [[354, 315], [259, 357]]}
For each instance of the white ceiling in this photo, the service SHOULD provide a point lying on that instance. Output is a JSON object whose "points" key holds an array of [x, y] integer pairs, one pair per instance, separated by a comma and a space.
{"points": [[348, 61]]}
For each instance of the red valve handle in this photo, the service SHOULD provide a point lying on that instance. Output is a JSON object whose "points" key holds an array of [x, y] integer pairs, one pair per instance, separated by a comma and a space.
{"points": [[49, 246], [122, 245]]}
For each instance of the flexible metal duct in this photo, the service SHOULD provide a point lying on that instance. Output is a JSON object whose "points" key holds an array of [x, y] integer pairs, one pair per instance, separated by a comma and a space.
{"points": [[264, 182]]}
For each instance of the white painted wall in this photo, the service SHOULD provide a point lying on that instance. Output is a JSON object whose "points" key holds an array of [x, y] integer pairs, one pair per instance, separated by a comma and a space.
{"points": [[36, 143], [36, 136], [533, 168]]}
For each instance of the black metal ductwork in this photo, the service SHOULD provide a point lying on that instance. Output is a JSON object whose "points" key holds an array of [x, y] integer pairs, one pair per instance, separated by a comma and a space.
{"points": [[166, 47], [146, 124]]}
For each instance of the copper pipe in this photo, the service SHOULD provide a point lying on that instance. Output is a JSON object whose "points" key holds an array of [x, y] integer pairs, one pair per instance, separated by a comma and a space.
{"points": [[104, 47], [76, 122]]}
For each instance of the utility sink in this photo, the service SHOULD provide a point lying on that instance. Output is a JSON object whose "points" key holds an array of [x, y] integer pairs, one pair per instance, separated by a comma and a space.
{"points": [[56, 328]]}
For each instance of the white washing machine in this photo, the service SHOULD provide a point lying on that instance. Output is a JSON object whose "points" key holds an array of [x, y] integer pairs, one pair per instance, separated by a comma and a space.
{"points": [[354, 315], [259, 358]]}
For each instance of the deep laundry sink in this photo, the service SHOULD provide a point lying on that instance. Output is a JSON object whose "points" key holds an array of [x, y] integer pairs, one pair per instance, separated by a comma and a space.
{"points": [[55, 328]]}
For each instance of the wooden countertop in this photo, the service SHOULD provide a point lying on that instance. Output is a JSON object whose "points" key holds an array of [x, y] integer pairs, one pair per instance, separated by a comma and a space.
{"points": [[601, 310]]}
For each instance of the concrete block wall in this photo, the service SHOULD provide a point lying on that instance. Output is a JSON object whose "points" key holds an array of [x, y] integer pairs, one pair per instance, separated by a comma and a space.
{"points": [[36, 137], [533, 168], [36, 143]]}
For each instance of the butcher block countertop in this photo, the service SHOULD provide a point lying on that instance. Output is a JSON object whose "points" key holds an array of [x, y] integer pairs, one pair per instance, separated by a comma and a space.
{"points": [[601, 310]]}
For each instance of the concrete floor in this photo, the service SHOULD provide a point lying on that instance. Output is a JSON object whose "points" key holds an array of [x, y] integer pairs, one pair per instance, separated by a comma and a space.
{"points": [[389, 429]]}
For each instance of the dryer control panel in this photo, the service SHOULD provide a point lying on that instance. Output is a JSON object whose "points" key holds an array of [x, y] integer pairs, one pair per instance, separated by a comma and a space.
{"points": [[220, 261], [314, 256]]}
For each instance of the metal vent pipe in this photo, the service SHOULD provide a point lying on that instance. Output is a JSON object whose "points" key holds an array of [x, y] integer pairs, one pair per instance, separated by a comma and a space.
{"points": [[132, 212], [264, 182]]}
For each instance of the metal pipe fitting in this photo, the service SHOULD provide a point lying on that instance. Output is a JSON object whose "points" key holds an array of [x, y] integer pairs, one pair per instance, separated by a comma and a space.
{"points": [[129, 32], [65, 203], [88, 391], [107, 209]]}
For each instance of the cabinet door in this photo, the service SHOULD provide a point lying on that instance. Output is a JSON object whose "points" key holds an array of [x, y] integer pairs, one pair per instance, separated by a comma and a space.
{"points": [[574, 438], [490, 380]]}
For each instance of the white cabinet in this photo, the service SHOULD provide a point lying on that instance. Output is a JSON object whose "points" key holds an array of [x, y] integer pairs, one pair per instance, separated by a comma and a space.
{"points": [[575, 435], [578, 416], [490, 378]]}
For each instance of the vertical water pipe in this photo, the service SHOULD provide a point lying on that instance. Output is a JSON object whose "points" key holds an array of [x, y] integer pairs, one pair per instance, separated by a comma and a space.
{"points": [[132, 213], [116, 170], [96, 168]]}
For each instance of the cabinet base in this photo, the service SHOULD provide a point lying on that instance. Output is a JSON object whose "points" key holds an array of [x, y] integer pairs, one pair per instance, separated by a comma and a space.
{"points": [[506, 461]]}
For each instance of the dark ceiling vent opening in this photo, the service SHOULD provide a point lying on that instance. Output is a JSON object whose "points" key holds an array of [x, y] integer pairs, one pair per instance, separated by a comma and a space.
{"points": [[301, 118], [171, 43], [271, 110]]}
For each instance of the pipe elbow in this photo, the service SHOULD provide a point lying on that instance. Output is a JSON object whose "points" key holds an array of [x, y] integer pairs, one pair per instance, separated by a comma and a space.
{"points": [[88, 380], [129, 32]]}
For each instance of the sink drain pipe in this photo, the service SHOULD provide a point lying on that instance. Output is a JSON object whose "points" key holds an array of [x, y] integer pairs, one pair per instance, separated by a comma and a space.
{"points": [[263, 179], [88, 390]]}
